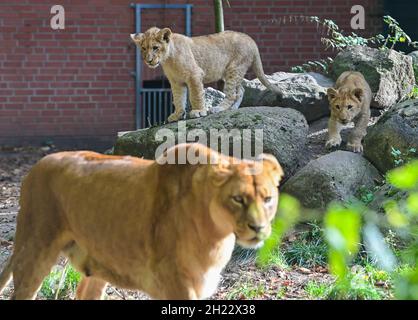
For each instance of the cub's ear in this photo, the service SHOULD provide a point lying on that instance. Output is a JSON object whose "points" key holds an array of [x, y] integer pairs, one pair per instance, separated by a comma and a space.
{"points": [[332, 93], [165, 34], [273, 166], [359, 94], [137, 37], [220, 172]]}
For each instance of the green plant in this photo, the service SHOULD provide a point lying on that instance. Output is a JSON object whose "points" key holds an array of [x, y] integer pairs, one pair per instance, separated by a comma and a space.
{"points": [[246, 290], [337, 40], [308, 250], [402, 158], [60, 283], [317, 290]]}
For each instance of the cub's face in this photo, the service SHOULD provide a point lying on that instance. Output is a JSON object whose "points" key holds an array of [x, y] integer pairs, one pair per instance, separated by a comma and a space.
{"points": [[154, 44], [345, 105], [249, 201]]}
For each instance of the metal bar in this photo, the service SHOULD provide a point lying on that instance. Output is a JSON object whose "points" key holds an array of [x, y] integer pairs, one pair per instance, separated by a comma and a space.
{"points": [[189, 20], [164, 6], [160, 98], [138, 66], [143, 110], [148, 109], [154, 107]]}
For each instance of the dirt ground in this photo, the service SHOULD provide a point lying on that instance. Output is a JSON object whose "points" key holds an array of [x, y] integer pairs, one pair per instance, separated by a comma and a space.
{"points": [[275, 282]]}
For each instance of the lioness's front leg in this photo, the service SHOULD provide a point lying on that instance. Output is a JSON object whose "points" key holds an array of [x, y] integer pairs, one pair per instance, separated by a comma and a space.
{"points": [[334, 129], [197, 97], [358, 133], [180, 101]]}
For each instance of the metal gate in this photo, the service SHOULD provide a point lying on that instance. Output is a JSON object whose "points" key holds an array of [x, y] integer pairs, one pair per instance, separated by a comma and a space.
{"points": [[153, 105]]}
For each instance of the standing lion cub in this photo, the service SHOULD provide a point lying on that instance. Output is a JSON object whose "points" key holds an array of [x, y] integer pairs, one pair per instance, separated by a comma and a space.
{"points": [[349, 102], [189, 63], [165, 229]]}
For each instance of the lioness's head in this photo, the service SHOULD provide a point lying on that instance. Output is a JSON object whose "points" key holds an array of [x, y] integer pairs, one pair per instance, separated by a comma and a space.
{"points": [[247, 198], [345, 104], [154, 45]]}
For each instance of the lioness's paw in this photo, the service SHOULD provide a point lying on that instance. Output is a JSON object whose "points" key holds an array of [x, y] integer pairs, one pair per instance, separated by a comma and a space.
{"points": [[216, 109], [355, 147], [176, 116], [197, 113], [333, 142]]}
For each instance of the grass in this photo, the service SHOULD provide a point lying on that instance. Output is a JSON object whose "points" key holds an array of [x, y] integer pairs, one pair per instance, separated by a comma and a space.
{"points": [[317, 290], [52, 288], [309, 250], [246, 290]]}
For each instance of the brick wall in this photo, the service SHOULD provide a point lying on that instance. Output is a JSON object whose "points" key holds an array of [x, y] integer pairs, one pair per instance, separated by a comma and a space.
{"points": [[76, 84]]}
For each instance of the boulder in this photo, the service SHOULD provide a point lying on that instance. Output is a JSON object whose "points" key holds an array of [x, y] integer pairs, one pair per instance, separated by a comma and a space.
{"points": [[335, 176], [398, 129], [389, 73], [213, 97], [284, 134], [305, 92], [414, 56]]}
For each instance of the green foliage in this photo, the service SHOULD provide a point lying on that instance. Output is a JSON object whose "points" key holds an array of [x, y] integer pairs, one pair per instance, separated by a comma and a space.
{"points": [[353, 232], [60, 283], [342, 231], [317, 290], [287, 215], [337, 40], [401, 158], [309, 250], [246, 290]]}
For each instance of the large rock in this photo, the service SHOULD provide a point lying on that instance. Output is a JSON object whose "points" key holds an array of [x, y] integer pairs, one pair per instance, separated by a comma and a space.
{"points": [[396, 129], [305, 92], [414, 56], [284, 133], [389, 73], [213, 97], [335, 176]]}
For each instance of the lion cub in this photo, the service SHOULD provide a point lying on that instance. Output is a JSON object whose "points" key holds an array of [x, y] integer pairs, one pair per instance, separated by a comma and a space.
{"points": [[189, 63], [349, 102]]}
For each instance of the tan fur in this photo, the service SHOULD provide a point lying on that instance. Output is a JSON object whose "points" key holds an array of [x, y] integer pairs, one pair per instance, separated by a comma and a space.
{"points": [[349, 101], [167, 230], [189, 63]]}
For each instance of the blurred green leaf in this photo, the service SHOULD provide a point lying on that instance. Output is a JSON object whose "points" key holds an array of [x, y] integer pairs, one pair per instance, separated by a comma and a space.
{"points": [[405, 177], [287, 215], [412, 203], [394, 215]]}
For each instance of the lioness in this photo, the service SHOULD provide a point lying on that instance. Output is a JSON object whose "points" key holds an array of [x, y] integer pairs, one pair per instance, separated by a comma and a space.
{"points": [[167, 230], [189, 63], [349, 101]]}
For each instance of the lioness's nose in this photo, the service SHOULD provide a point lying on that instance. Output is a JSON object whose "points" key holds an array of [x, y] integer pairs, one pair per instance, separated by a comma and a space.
{"points": [[256, 228]]}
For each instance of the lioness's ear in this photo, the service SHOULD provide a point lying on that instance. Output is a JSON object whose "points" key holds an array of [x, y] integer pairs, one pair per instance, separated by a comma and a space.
{"points": [[220, 172], [359, 94], [136, 37], [332, 93], [165, 34], [271, 164]]}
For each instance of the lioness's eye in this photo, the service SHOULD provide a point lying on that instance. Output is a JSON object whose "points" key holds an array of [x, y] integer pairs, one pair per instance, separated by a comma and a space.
{"points": [[155, 48], [338, 107], [143, 49], [238, 199], [267, 199], [349, 107]]}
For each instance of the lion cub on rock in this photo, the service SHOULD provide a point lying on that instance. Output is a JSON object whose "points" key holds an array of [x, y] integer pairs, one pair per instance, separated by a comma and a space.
{"points": [[189, 63], [349, 101], [165, 229]]}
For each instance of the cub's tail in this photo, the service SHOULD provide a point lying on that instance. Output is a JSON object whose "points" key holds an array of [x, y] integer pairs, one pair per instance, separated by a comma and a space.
{"points": [[6, 275], [257, 68]]}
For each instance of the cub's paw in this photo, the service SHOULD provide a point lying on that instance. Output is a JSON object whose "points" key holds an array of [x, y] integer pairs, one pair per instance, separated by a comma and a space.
{"points": [[333, 142], [216, 109], [176, 116], [197, 113], [355, 147]]}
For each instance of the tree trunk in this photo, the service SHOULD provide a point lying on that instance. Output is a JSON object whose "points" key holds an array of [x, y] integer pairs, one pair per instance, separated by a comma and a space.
{"points": [[219, 27]]}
